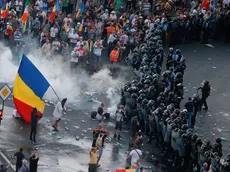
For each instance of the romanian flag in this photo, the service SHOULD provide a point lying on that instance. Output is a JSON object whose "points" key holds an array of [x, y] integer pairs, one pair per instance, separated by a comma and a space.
{"points": [[55, 8], [206, 4], [29, 88], [127, 170], [5, 10], [25, 13], [82, 7]]}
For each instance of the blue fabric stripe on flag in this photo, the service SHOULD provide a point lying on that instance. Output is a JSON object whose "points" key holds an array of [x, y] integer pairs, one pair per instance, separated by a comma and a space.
{"points": [[32, 77], [58, 8]]}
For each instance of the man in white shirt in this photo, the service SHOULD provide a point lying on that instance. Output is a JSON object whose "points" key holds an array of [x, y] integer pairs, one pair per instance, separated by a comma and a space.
{"points": [[75, 54], [97, 50], [73, 37], [119, 116], [193, 5], [39, 4], [53, 32], [68, 19], [135, 156], [105, 16], [18, 6], [56, 45], [113, 16], [80, 42]]}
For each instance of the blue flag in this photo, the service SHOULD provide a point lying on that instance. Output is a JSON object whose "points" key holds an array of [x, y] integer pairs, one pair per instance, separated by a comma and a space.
{"points": [[58, 8], [0, 3], [82, 7]]}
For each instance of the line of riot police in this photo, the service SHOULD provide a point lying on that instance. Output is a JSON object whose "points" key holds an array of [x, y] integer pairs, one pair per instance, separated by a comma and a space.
{"points": [[197, 27], [152, 104]]}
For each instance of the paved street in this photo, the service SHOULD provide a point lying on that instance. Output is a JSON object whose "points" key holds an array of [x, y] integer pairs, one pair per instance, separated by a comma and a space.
{"points": [[65, 154]]}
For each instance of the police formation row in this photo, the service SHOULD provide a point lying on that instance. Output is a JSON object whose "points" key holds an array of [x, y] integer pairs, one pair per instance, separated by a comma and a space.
{"points": [[152, 104]]}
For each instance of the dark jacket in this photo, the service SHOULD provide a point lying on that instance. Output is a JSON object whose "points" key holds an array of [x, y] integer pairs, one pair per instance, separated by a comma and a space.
{"points": [[20, 156], [34, 119]]}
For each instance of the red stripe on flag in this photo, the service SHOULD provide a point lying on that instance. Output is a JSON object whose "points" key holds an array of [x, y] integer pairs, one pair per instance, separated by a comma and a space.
{"points": [[52, 16], [4, 14], [206, 4], [120, 170], [23, 110]]}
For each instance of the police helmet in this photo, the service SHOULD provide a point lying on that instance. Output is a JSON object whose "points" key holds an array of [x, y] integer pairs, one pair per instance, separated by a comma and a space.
{"points": [[130, 90], [128, 84], [139, 99], [184, 127], [194, 137], [134, 96], [178, 51], [218, 140], [144, 102], [147, 81], [134, 81], [171, 49]]}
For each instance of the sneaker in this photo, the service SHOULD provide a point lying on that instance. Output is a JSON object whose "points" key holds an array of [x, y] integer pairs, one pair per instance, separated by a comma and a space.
{"points": [[35, 143], [114, 136]]}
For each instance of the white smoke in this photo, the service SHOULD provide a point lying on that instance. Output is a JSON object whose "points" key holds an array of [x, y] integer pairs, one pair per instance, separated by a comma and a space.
{"points": [[61, 79]]}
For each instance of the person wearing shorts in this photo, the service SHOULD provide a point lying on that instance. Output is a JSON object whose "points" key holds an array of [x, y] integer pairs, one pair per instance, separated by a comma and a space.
{"points": [[119, 119]]}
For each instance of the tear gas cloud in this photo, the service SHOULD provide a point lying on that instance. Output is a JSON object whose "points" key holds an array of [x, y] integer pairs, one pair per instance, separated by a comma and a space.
{"points": [[57, 72]]}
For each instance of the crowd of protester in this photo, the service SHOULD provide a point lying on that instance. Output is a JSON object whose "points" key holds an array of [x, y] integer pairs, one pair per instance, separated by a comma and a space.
{"points": [[82, 31], [89, 31]]}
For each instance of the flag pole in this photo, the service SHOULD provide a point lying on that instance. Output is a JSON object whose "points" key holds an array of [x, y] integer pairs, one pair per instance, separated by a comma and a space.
{"points": [[55, 92]]}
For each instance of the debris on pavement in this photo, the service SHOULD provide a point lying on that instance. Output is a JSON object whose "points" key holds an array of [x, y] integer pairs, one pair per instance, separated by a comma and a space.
{"points": [[83, 121], [66, 128], [223, 139], [53, 133], [77, 138]]}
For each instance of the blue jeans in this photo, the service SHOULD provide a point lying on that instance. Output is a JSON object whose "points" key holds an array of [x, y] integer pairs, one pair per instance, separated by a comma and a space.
{"points": [[189, 119]]}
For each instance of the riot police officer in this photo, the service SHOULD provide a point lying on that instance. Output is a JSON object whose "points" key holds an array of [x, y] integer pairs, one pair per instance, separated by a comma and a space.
{"points": [[205, 90]]}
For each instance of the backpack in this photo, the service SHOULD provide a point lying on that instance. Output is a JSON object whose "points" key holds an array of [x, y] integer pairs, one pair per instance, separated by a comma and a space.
{"points": [[93, 114], [107, 115]]}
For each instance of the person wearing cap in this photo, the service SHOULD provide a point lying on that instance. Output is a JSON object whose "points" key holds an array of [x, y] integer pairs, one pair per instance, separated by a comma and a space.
{"points": [[119, 116], [105, 15], [113, 16], [24, 167]]}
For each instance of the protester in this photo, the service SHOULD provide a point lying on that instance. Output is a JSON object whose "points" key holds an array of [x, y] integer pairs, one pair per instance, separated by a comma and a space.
{"points": [[34, 121], [135, 155], [152, 102], [119, 116], [19, 158], [58, 112], [93, 159], [24, 167], [34, 158]]}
